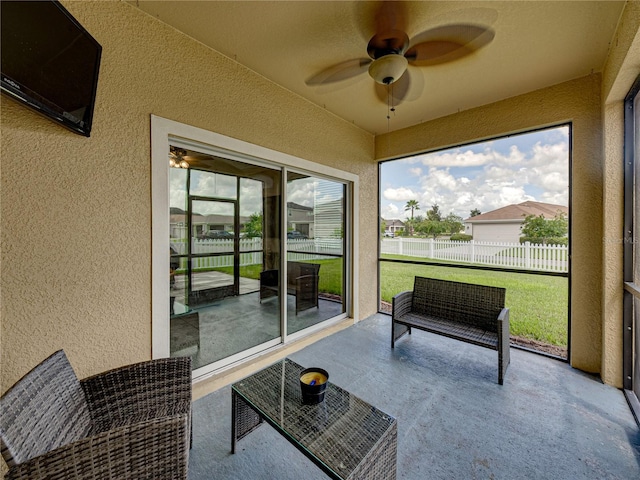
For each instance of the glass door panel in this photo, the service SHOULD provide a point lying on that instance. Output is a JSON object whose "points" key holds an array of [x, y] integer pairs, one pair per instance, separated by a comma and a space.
{"points": [[213, 269], [315, 250], [224, 233], [635, 250]]}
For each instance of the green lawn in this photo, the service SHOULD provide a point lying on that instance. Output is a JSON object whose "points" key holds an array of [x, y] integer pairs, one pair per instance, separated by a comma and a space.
{"points": [[538, 304], [330, 274]]}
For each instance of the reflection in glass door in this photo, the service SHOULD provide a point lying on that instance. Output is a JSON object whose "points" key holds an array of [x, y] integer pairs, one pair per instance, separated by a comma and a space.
{"points": [[315, 283], [224, 232], [212, 248]]}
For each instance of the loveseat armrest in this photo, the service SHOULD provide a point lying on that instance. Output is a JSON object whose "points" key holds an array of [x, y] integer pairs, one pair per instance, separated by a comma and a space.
{"points": [[153, 449], [504, 343], [401, 303], [141, 390]]}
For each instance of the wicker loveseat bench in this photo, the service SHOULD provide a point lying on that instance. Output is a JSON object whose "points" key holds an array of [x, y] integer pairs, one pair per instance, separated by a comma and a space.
{"points": [[471, 313], [302, 282]]}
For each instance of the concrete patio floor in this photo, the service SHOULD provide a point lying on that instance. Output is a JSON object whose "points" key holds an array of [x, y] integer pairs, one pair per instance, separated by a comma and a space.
{"points": [[548, 421]]}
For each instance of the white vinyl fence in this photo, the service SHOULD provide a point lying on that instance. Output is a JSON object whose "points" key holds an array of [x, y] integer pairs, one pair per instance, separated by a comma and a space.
{"points": [[526, 256], [299, 249]]}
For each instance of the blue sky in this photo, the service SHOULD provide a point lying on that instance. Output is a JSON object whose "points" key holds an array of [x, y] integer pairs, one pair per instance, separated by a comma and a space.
{"points": [[487, 175]]}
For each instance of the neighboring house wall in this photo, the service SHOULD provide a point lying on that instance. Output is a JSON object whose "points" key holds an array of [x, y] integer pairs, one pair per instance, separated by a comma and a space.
{"points": [[328, 214], [497, 232], [504, 224], [300, 218], [394, 226]]}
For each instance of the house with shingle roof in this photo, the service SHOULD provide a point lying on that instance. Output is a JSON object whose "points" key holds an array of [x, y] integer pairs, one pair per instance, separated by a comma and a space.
{"points": [[393, 226], [503, 224]]}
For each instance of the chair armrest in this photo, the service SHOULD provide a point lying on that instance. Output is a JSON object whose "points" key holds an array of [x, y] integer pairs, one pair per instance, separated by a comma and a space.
{"points": [[157, 448], [504, 319], [161, 385], [269, 278], [504, 344], [401, 304]]}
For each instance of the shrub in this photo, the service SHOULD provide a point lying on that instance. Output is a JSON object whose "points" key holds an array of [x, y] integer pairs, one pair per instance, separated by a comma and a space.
{"points": [[461, 237]]}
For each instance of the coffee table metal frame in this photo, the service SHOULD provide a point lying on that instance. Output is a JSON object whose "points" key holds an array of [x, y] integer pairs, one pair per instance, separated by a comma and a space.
{"points": [[345, 436]]}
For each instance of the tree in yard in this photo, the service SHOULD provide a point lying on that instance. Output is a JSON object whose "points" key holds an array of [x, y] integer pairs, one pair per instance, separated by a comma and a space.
{"points": [[475, 212], [411, 205], [253, 228], [410, 224], [453, 223], [434, 214], [540, 228], [431, 228]]}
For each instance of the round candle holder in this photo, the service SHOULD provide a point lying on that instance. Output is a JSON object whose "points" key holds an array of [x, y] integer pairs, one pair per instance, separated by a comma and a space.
{"points": [[313, 383]]}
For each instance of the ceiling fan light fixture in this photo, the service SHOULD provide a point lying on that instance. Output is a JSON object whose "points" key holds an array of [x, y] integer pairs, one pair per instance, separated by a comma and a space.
{"points": [[388, 68]]}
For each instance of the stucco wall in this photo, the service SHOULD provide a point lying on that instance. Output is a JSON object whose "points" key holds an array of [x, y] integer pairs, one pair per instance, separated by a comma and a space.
{"points": [[579, 102], [76, 212], [621, 70]]}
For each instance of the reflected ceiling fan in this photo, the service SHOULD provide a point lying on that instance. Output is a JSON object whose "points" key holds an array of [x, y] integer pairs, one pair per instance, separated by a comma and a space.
{"points": [[391, 51]]}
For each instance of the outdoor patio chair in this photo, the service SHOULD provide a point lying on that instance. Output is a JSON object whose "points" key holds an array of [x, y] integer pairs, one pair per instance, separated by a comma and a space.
{"points": [[132, 422]]}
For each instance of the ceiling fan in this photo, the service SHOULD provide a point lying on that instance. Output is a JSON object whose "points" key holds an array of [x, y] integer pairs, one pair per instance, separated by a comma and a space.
{"points": [[391, 51]]}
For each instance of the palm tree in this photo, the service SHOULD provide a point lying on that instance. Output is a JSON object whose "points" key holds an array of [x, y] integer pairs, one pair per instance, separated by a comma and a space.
{"points": [[411, 205]]}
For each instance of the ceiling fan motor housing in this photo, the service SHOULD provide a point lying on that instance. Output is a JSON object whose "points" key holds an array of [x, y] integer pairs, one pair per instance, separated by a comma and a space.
{"points": [[388, 68]]}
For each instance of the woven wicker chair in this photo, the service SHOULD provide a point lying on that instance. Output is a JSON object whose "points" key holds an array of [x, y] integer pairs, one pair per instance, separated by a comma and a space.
{"points": [[133, 422]]}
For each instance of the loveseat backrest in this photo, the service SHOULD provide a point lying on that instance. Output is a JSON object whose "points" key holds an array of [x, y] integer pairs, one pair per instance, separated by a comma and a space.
{"points": [[467, 303], [301, 269], [46, 409]]}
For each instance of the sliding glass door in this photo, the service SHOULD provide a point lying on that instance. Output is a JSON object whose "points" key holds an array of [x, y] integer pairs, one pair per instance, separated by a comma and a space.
{"points": [[232, 292]]}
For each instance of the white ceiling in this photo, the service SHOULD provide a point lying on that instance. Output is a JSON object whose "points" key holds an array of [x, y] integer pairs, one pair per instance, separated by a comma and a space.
{"points": [[536, 44]]}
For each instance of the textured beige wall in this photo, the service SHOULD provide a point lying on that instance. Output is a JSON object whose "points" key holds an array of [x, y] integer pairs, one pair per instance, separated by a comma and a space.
{"points": [[76, 212], [577, 101], [621, 70]]}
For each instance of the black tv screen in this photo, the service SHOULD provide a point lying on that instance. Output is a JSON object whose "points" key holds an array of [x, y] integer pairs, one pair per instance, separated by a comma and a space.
{"points": [[49, 62]]}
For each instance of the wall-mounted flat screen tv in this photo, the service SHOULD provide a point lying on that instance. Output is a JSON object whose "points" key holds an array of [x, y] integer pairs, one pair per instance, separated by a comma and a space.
{"points": [[49, 62]]}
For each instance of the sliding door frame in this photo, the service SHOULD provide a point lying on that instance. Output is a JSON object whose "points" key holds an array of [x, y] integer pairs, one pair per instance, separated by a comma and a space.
{"points": [[165, 132], [631, 327]]}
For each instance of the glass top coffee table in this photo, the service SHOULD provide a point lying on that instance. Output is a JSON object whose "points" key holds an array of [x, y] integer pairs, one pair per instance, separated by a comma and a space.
{"points": [[344, 435]]}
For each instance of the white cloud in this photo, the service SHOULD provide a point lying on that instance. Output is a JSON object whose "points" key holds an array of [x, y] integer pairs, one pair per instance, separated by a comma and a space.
{"points": [[390, 211], [416, 172], [493, 181], [301, 192], [401, 194]]}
